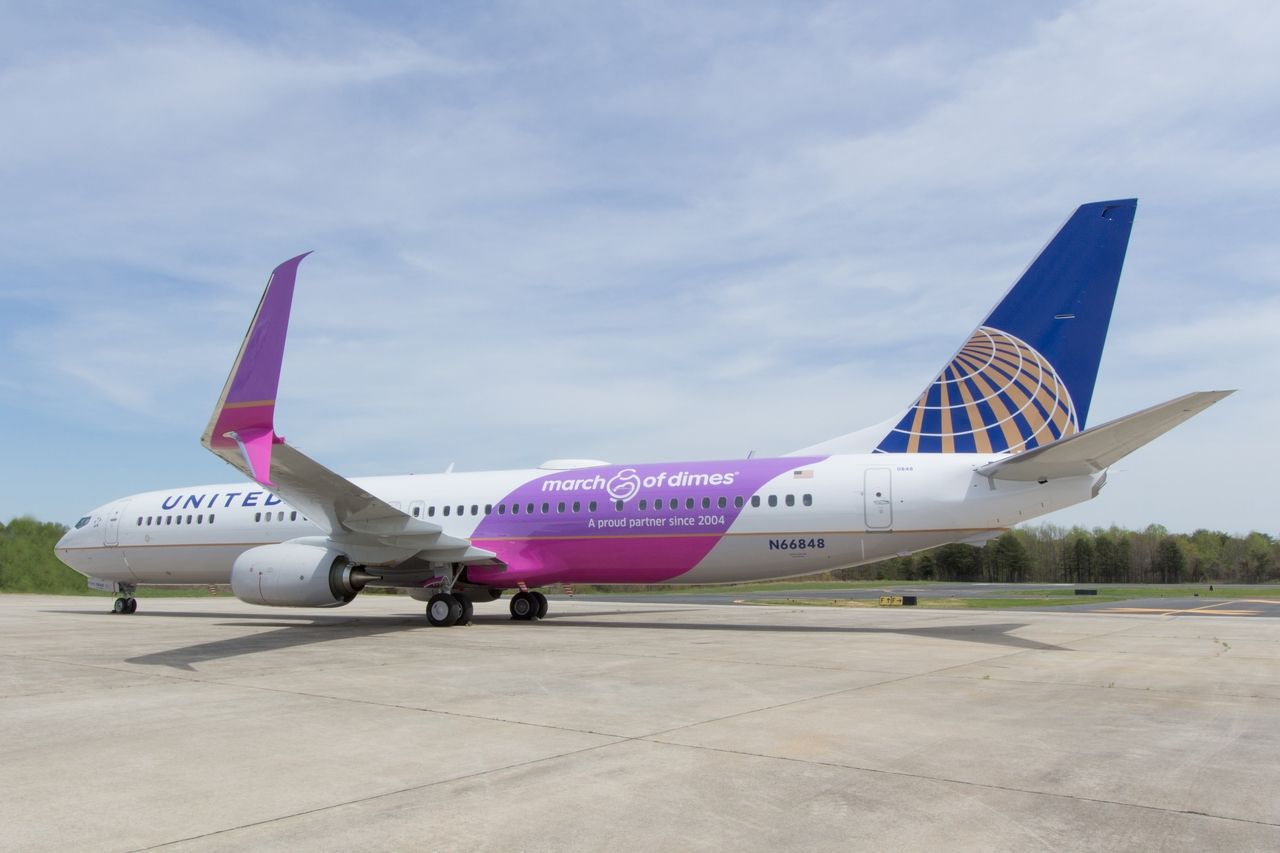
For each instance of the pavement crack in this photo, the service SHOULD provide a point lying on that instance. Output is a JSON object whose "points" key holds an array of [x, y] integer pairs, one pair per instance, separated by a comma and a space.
{"points": [[964, 782]]}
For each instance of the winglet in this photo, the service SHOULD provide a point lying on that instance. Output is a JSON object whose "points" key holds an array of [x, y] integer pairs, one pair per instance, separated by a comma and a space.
{"points": [[242, 429]]}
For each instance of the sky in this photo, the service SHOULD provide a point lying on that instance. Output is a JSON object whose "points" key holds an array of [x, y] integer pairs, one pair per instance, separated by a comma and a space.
{"points": [[630, 232]]}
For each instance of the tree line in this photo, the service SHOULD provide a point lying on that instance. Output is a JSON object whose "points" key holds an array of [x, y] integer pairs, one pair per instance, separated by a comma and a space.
{"points": [[27, 562], [1046, 553]]}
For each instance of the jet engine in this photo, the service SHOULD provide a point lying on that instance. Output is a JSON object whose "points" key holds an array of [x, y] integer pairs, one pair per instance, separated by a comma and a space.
{"points": [[294, 575]]}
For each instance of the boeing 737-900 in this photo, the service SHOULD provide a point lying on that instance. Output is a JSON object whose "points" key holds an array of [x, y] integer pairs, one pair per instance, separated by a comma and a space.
{"points": [[997, 438]]}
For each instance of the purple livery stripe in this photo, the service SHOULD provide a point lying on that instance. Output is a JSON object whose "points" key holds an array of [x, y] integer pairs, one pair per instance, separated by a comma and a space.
{"points": [[631, 545]]}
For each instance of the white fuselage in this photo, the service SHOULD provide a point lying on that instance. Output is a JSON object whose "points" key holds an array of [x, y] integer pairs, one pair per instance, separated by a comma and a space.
{"points": [[810, 516]]}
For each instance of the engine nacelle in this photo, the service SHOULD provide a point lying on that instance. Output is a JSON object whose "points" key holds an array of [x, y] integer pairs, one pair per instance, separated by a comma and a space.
{"points": [[291, 575]]}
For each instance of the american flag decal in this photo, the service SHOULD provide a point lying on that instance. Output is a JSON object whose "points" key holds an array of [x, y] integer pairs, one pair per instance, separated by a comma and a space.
{"points": [[804, 474]]}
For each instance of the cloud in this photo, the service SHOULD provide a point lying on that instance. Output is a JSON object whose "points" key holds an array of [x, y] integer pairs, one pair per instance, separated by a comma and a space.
{"points": [[633, 232]]}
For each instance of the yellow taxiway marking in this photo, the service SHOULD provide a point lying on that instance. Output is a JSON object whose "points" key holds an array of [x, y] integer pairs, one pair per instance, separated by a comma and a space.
{"points": [[1206, 610]]}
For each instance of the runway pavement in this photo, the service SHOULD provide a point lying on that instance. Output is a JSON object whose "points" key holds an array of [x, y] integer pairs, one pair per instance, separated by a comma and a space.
{"points": [[208, 724]]}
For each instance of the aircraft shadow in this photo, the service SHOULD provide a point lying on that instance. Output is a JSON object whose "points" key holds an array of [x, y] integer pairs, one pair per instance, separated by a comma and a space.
{"points": [[304, 630], [996, 634]]}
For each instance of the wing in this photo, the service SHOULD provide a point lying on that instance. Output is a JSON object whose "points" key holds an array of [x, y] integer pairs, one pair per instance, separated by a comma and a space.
{"points": [[242, 432], [1099, 447]]}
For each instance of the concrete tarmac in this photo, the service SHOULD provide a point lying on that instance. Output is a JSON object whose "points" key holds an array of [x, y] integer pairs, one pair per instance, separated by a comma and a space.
{"points": [[208, 724]]}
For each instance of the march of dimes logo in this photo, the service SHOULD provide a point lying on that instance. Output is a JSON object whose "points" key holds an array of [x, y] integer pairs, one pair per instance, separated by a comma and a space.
{"points": [[624, 485], [627, 483]]}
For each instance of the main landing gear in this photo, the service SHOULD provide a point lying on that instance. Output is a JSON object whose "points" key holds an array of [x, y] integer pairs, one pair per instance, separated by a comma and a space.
{"points": [[528, 605], [449, 608], [126, 603]]}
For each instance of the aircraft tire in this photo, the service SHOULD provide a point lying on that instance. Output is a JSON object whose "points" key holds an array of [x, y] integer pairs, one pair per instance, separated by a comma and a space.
{"points": [[466, 608], [542, 604], [523, 607], [132, 607], [121, 606], [443, 610]]}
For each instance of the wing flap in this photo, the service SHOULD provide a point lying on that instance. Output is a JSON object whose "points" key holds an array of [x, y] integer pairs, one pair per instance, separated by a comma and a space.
{"points": [[1097, 448]]}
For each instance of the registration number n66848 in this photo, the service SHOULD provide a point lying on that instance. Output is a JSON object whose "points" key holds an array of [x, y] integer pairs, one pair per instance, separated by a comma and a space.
{"points": [[799, 544]]}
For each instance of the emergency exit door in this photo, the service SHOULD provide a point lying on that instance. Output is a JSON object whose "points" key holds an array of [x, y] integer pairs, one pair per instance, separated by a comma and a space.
{"points": [[877, 498]]}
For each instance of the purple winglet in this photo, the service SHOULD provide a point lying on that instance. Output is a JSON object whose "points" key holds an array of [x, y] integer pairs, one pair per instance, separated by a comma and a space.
{"points": [[245, 417]]}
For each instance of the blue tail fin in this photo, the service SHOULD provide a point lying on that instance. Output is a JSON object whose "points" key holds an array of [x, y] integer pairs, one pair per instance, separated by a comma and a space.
{"points": [[1025, 376]]}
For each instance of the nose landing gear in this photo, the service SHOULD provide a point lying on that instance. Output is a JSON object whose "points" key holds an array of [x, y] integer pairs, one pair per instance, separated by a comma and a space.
{"points": [[126, 603]]}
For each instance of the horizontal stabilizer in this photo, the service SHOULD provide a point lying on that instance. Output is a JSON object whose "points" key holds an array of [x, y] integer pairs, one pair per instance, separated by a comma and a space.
{"points": [[1097, 448]]}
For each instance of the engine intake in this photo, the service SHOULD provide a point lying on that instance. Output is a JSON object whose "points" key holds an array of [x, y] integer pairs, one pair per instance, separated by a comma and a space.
{"points": [[292, 575]]}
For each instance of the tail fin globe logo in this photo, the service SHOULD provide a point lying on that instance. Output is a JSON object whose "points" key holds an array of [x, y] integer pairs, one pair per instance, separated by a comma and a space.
{"points": [[997, 394]]}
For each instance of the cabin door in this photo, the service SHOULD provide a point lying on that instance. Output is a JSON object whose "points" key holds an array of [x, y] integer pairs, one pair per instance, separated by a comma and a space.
{"points": [[111, 532], [877, 498]]}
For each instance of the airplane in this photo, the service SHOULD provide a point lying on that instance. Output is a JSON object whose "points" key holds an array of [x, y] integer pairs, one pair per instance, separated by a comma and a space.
{"points": [[997, 438]]}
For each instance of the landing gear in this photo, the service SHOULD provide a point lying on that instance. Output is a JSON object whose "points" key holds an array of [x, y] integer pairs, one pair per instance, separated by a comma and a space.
{"points": [[528, 605], [443, 610], [464, 618], [126, 603], [447, 607], [523, 607]]}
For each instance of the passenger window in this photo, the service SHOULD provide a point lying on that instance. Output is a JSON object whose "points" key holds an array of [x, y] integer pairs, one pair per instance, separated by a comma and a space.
{"points": [[488, 509], [462, 510], [773, 500], [515, 509], [546, 508], [560, 507], [179, 521], [200, 519], [791, 500], [706, 503], [528, 509], [688, 503], [431, 511], [280, 515], [577, 506], [148, 521], [168, 519], [502, 509], [808, 500], [592, 506], [211, 518], [755, 500], [417, 511], [617, 505], [446, 510], [267, 518], [657, 503], [188, 519], [737, 502], [643, 505], [139, 521], [722, 503], [293, 516]]}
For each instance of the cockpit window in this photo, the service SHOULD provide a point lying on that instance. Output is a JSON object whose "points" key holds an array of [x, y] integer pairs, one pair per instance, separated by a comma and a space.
{"points": [[82, 522]]}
